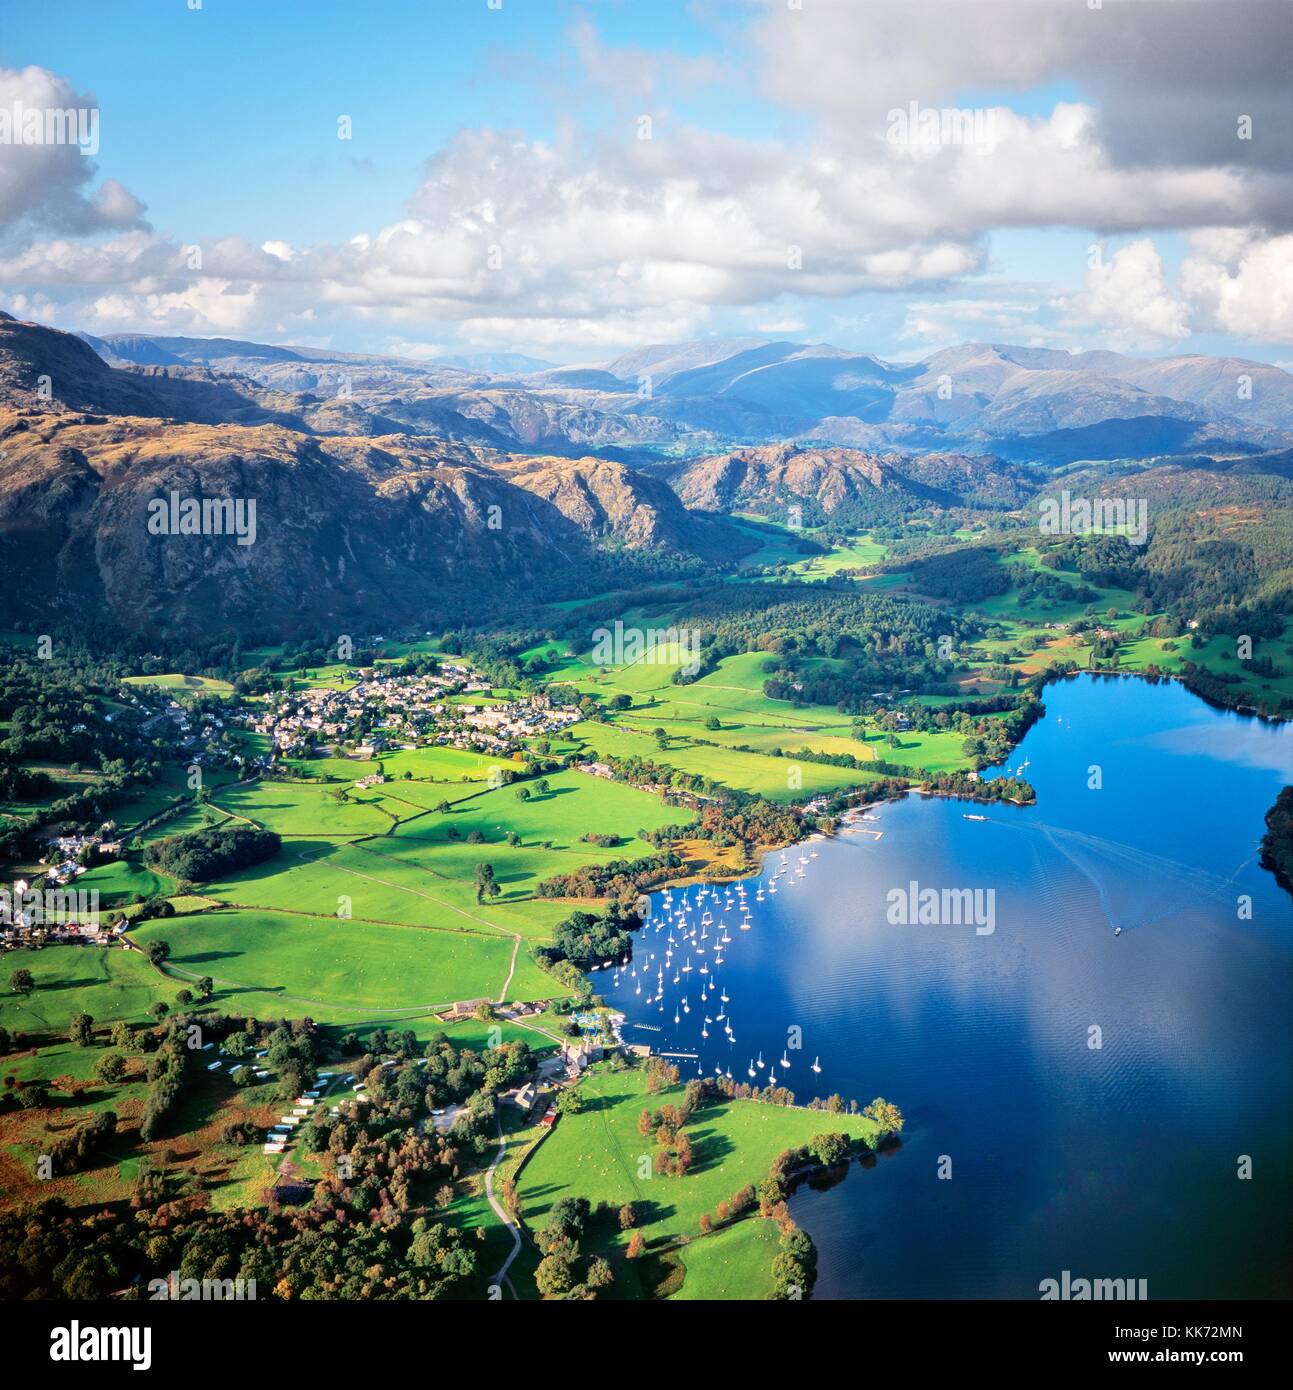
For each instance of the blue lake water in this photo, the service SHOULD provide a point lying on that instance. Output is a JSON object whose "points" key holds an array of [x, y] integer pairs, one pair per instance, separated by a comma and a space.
{"points": [[1117, 1160]]}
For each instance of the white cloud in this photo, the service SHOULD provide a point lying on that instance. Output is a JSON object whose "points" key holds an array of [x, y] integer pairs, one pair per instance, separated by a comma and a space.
{"points": [[1170, 78], [589, 243], [1127, 295], [1242, 283], [45, 183]]}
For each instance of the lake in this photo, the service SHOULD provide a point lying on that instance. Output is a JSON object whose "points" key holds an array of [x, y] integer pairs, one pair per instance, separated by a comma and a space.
{"points": [[1092, 1092]]}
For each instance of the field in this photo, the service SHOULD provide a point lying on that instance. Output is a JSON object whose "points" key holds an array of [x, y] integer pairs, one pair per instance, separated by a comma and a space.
{"points": [[599, 1154], [66, 783], [105, 982], [119, 881], [751, 726], [174, 680], [732, 1263], [196, 1161], [279, 964]]}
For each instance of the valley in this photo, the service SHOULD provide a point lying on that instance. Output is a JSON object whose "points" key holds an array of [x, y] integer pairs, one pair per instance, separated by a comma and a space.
{"points": [[463, 817]]}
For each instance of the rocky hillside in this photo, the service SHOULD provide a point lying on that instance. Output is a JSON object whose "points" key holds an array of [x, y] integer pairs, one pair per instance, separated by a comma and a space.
{"points": [[769, 478], [613, 502], [346, 529]]}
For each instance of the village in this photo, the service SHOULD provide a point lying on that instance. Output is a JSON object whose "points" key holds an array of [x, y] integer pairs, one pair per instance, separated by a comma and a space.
{"points": [[382, 712]]}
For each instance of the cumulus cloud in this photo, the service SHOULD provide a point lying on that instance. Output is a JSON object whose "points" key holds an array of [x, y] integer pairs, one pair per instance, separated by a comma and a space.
{"points": [[48, 133], [1242, 283], [607, 239], [1128, 296], [1170, 77]]}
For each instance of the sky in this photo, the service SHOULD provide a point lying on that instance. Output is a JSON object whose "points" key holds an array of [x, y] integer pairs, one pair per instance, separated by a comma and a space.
{"points": [[570, 180]]}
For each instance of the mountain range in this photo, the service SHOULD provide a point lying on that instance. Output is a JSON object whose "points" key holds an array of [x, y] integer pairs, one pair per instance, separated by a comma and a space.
{"points": [[389, 489]]}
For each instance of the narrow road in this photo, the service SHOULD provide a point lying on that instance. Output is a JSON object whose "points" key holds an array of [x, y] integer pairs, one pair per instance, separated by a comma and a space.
{"points": [[514, 1227]]}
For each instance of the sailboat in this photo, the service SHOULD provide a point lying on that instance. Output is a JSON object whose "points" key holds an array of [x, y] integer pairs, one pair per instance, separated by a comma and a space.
{"points": [[815, 1066], [759, 1063], [785, 1062]]}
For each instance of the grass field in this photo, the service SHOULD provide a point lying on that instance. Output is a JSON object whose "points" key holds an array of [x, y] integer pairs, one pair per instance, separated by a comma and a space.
{"points": [[300, 809], [278, 964], [733, 1263], [418, 875], [599, 1154], [775, 778], [105, 982], [196, 1158], [120, 880], [175, 680]]}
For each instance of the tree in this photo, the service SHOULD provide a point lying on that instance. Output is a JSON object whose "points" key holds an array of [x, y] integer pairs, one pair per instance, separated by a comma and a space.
{"points": [[712, 722], [555, 1275], [628, 1216], [121, 1034], [486, 886], [111, 1067], [185, 996], [158, 951], [81, 1030], [886, 1116], [706, 1223], [523, 793], [569, 1103], [22, 982], [637, 1246], [829, 1149], [206, 986], [542, 787], [600, 1274], [160, 1010]]}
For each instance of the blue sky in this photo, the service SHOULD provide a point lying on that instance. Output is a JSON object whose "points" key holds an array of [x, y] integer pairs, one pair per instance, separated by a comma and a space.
{"points": [[503, 198]]}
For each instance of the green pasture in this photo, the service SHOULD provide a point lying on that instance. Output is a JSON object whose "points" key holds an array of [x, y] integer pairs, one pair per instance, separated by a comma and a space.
{"points": [[105, 982], [599, 1154], [276, 963]]}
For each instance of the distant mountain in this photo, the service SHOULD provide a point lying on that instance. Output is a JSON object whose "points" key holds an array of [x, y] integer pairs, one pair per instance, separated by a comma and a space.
{"points": [[497, 363], [1026, 404]]}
